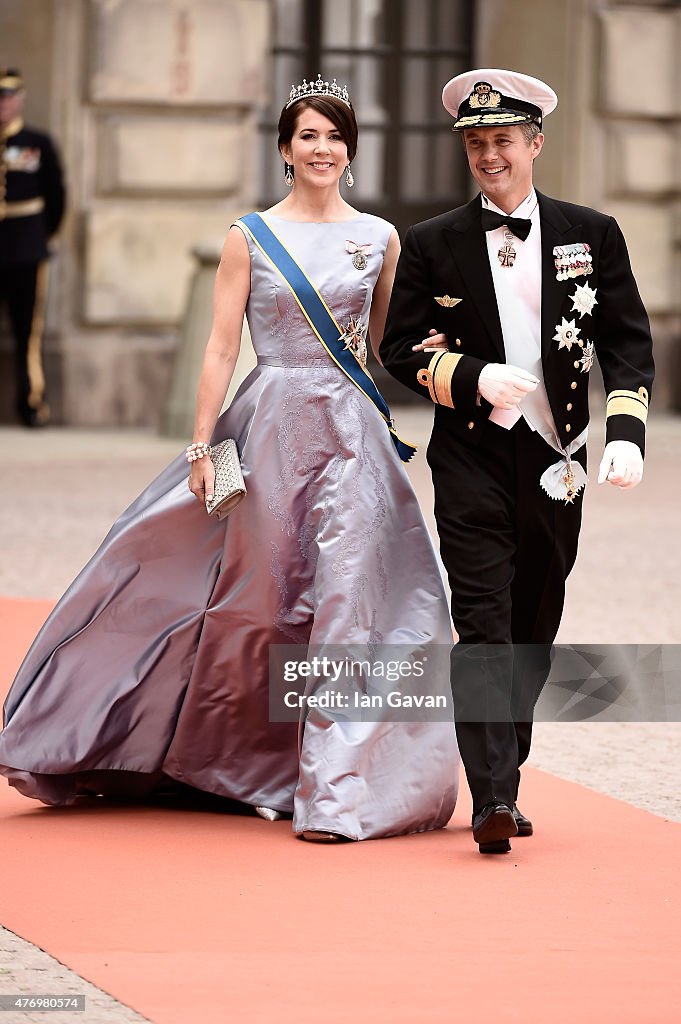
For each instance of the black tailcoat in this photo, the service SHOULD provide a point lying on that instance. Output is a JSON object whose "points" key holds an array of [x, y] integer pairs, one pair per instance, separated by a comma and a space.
{"points": [[447, 256], [507, 546]]}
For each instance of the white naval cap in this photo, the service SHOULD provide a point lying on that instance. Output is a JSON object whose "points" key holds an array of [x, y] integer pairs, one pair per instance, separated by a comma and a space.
{"points": [[491, 96]]}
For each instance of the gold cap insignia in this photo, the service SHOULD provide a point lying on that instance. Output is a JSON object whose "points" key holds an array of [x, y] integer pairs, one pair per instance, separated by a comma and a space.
{"points": [[446, 300], [484, 96]]}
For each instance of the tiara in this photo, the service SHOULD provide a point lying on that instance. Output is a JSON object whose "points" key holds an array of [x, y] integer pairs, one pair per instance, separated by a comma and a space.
{"points": [[318, 88]]}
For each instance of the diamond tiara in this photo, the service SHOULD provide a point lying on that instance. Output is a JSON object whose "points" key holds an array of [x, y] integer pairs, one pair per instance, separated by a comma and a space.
{"points": [[318, 88]]}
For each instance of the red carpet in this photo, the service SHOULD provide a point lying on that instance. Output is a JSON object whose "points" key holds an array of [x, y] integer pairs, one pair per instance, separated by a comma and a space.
{"points": [[194, 916]]}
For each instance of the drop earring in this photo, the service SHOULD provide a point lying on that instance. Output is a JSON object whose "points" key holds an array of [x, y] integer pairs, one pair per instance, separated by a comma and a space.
{"points": [[288, 174], [349, 179]]}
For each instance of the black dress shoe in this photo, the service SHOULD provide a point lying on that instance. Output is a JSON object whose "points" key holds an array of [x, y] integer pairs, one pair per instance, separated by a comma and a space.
{"points": [[35, 418], [493, 826], [500, 846], [524, 824]]}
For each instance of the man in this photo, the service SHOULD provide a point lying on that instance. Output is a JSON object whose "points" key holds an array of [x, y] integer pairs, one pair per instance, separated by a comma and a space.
{"points": [[527, 289], [31, 209]]}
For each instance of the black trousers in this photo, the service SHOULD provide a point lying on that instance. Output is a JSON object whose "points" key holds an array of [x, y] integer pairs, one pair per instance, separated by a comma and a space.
{"points": [[23, 293], [508, 549]]}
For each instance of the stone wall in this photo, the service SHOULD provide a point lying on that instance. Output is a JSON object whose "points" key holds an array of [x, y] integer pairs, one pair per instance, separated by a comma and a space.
{"points": [[154, 105]]}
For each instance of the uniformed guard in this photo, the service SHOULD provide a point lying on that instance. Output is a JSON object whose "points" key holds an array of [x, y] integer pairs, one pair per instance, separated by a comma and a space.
{"points": [[528, 290], [31, 210]]}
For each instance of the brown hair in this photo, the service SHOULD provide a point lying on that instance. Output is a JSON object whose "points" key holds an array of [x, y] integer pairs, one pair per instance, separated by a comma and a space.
{"points": [[338, 112], [530, 130]]}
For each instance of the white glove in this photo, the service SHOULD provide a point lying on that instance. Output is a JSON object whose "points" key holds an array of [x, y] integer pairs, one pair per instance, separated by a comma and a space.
{"points": [[621, 465], [504, 386]]}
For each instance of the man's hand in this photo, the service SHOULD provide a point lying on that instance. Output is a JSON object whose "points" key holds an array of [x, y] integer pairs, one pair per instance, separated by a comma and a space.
{"points": [[621, 465], [433, 343], [505, 386]]}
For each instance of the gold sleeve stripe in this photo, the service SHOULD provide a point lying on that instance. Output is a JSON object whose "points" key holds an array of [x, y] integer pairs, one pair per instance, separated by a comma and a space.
{"points": [[24, 207], [442, 378], [432, 367], [641, 395], [426, 377], [438, 377], [628, 403]]}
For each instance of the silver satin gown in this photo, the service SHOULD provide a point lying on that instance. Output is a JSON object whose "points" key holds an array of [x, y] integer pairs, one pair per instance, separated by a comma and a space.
{"points": [[154, 665]]}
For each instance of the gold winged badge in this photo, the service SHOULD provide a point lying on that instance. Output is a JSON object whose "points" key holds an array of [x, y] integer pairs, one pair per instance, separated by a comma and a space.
{"points": [[446, 300]]}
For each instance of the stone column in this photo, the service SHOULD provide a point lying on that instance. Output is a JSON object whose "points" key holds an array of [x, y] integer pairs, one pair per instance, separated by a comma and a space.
{"points": [[173, 87]]}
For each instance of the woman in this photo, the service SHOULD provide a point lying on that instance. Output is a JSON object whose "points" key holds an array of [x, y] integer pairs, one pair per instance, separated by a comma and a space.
{"points": [[154, 665]]}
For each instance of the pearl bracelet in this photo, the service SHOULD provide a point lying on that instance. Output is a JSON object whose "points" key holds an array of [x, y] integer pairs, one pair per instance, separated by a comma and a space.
{"points": [[198, 450]]}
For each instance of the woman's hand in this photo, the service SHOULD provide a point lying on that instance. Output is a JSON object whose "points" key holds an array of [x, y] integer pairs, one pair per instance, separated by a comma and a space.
{"points": [[433, 343], [202, 479]]}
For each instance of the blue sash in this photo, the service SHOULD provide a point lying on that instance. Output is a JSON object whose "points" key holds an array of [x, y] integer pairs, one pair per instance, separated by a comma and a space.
{"points": [[321, 320]]}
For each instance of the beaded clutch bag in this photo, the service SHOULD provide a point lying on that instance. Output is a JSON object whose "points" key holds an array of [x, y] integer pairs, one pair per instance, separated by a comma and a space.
{"points": [[230, 488]]}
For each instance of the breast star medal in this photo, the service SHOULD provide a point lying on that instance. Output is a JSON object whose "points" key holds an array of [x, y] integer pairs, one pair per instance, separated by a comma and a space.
{"points": [[587, 360], [352, 333], [359, 252], [566, 334], [584, 300], [507, 253]]}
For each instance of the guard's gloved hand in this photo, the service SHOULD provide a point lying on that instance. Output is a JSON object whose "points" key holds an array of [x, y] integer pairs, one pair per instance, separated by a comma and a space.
{"points": [[504, 386], [621, 465]]}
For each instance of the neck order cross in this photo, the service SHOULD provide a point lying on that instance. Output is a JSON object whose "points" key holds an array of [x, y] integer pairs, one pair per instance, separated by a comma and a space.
{"points": [[507, 253]]}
